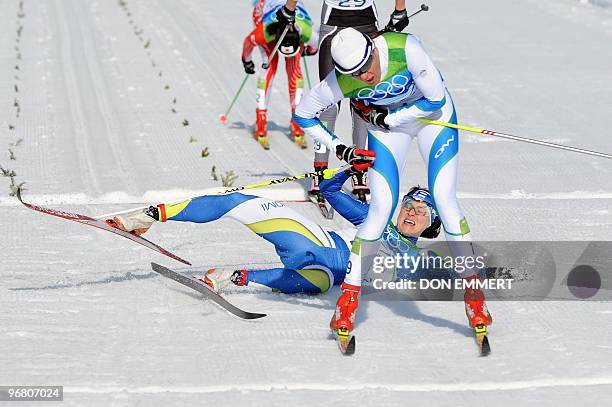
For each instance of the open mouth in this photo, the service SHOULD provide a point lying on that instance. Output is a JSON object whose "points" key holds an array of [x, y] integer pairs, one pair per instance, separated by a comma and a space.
{"points": [[409, 222]]}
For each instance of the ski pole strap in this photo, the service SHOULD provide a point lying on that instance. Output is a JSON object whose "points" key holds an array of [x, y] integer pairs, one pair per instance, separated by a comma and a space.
{"points": [[246, 77], [327, 173], [516, 138]]}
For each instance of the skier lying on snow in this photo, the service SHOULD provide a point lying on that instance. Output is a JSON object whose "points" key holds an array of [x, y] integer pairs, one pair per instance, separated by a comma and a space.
{"points": [[314, 259]]}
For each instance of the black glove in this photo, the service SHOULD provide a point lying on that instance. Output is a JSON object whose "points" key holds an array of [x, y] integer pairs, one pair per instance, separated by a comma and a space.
{"points": [[285, 17], [370, 113], [249, 67], [359, 159], [398, 21]]}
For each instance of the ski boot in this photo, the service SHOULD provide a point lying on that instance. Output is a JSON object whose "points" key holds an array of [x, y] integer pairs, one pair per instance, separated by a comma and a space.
{"points": [[476, 307], [344, 316], [297, 134], [260, 132], [314, 190], [219, 279], [136, 222], [361, 188]]}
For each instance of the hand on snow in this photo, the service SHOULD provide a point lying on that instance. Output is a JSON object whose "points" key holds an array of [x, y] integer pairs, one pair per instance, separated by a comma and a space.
{"points": [[249, 67], [398, 21], [370, 113], [358, 159]]}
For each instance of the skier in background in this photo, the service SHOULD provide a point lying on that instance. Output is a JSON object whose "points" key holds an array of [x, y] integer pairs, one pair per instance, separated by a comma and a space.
{"points": [[300, 39], [336, 15]]}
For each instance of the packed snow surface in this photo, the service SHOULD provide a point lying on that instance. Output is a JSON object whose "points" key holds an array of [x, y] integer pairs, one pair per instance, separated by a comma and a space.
{"points": [[107, 105]]}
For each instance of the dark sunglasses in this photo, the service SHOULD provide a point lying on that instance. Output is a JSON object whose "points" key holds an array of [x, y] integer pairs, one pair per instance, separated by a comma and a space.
{"points": [[366, 67]]}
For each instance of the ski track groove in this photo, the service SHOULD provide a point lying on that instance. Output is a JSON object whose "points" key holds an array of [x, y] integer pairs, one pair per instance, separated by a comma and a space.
{"points": [[112, 152], [128, 172], [457, 387], [74, 101]]}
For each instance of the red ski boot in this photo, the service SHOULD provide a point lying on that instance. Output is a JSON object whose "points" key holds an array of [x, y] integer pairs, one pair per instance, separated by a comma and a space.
{"points": [[260, 132], [297, 134], [344, 316], [475, 306]]}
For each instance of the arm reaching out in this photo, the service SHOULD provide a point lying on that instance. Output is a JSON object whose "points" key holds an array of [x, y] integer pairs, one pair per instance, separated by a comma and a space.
{"points": [[349, 208], [324, 95]]}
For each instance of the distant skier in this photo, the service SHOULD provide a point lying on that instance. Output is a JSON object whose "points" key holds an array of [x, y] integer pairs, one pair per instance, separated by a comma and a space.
{"points": [[314, 258], [392, 82], [298, 40], [336, 15]]}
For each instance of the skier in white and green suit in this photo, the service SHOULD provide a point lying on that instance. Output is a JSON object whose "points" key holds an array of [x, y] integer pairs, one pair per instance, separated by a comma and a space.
{"points": [[392, 82]]}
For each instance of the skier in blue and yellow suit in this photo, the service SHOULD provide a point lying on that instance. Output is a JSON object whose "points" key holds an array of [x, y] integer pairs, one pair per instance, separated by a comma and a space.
{"points": [[314, 258]]}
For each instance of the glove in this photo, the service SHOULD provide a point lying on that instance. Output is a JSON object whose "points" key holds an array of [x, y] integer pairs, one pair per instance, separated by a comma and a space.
{"points": [[357, 158], [398, 21], [309, 50], [285, 17], [249, 67], [370, 113]]}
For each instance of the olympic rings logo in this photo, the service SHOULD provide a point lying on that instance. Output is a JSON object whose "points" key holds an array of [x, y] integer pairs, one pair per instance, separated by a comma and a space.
{"points": [[399, 85], [393, 242]]}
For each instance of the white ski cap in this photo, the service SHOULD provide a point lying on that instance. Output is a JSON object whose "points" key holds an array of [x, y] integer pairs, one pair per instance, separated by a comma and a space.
{"points": [[350, 50]]}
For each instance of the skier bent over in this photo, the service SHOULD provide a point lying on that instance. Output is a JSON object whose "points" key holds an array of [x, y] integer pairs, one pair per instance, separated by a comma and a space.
{"points": [[392, 82]]}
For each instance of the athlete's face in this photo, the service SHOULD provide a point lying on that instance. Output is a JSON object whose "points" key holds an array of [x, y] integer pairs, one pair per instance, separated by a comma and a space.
{"points": [[372, 75], [413, 219]]}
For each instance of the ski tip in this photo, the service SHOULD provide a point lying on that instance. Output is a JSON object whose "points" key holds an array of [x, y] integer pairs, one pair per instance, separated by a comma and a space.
{"points": [[254, 315], [485, 347], [350, 348], [183, 261], [18, 193]]}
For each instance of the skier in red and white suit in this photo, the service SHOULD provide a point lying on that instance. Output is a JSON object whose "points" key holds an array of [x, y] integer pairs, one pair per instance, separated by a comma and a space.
{"points": [[300, 39]]}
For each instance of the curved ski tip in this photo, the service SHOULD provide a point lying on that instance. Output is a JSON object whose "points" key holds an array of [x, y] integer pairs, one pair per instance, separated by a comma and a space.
{"points": [[18, 193], [257, 316]]}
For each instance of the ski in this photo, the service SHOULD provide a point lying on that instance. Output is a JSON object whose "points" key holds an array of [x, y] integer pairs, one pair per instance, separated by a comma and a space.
{"points": [[208, 292], [482, 340], [344, 338], [326, 210], [299, 140], [346, 343], [263, 141], [97, 223]]}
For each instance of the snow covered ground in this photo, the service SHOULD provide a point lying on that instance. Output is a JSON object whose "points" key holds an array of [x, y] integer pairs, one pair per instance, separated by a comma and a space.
{"points": [[94, 98]]}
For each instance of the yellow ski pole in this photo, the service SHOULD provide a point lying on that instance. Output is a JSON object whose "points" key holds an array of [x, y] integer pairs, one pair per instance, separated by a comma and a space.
{"points": [[516, 138], [327, 173]]}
